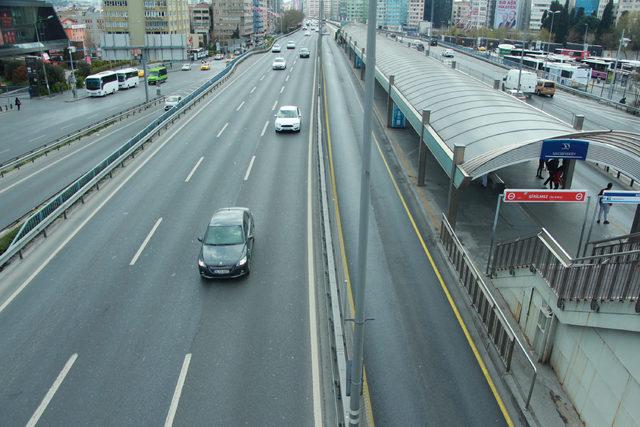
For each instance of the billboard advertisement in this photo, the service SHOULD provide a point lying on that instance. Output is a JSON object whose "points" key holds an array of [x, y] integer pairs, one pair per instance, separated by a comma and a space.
{"points": [[506, 14]]}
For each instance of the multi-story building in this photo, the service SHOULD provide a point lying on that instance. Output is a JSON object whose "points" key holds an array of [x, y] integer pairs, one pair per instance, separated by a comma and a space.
{"points": [[159, 26], [626, 6], [392, 13], [92, 19], [415, 13], [311, 8], [232, 21], [536, 12], [75, 31], [470, 14], [355, 10], [442, 12], [589, 6], [201, 22]]}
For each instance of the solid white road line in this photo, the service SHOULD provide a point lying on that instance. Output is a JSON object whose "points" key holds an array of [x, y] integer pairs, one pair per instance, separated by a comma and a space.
{"points": [[194, 169], [178, 391], [246, 175], [222, 130], [264, 128], [52, 391], [37, 138], [67, 126], [313, 327], [286, 78], [73, 234], [274, 105], [20, 181], [282, 90], [240, 106], [144, 243], [253, 90]]}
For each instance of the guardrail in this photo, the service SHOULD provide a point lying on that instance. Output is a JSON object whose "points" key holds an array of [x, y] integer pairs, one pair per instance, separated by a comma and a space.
{"points": [[502, 335], [607, 277], [58, 205], [32, 155]]}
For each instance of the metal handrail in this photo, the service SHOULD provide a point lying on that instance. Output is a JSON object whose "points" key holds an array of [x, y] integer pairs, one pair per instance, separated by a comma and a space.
{"points": [[617, 238], [447, 231]]}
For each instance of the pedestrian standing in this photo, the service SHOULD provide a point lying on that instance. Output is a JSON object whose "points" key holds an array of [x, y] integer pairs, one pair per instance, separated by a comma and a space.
{"points": [[540, 169], [556, 178], [18, 103], [604, 207], [552, 165]]}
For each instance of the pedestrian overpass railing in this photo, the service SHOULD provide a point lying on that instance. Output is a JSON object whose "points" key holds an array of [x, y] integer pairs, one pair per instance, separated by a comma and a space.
{"points": [[625, 243], [612, 277]]}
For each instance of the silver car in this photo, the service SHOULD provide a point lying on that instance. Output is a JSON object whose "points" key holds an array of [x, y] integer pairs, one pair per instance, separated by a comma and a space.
{"points": [[279, 64]]}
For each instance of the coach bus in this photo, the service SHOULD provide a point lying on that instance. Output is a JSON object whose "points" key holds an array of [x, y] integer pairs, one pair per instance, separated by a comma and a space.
{"points": [[527, 61], [568, 75], [102, 83], [577, 55], [128, 77], [600, 69], [198, 53]]}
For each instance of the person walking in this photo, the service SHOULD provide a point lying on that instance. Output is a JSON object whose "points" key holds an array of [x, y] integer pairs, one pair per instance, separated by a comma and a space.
{"points": [[18, 103], [604, 207], [556, 178], [552, 165], [540, 169]]}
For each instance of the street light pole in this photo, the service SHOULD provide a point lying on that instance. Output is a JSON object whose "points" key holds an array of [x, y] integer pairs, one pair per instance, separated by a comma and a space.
{"points": [[586, 29], [363, 237], [44, 70], [615, 65], [144, 71]]}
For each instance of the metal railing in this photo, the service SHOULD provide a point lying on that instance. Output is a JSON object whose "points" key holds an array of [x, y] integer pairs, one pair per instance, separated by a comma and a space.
{"points": [[602, 277], [30, 156], [628, 242], [58, 205], [502, 335]]}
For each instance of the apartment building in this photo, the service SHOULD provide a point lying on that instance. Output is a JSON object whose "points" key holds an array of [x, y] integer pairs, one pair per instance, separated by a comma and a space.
{"points": [[415, 13], [201, 22], [469, 14], [232, 18], [311, 8], [536, 12], [625, 6], [355, 10], [392, 13]]}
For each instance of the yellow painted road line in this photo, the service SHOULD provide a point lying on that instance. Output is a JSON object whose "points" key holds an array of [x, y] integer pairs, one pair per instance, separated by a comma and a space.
{"points": [[343, 252], [445, 289]]}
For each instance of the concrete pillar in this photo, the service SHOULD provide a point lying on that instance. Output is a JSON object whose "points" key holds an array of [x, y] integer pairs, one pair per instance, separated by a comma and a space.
{"points": [[452, 199], [496, 84], [578, 121], [570, 165], [635, 227], [392, 80], [422, 149], [363, 65], [453, 64]]}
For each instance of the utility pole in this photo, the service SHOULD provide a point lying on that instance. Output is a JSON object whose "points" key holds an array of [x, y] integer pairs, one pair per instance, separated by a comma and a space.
{"points": [[615, 65], [586, 45], [520, 68], [553, 15], [44, 70], [363, 237], [72, 78], [143, 57]]}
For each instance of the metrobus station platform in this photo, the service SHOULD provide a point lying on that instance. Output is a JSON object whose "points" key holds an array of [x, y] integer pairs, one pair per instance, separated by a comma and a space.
{"points": [[568, 302]]}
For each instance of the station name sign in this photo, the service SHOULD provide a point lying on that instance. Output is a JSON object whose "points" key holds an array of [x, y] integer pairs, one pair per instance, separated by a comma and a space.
{"points": [[544, 196], [576, 149]]}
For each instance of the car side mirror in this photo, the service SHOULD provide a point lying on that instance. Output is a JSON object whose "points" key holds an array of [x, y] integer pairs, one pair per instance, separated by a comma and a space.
{"points": [[199, 239]]}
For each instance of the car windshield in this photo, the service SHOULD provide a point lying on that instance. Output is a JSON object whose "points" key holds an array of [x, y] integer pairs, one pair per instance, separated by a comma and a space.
{"points": [[278, 60], [93, 84], [287, 114], [224, 235]]}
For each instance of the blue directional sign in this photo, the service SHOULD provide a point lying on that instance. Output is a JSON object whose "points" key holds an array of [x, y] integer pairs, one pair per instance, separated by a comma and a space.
{"points": [[628, 197], [564, 149], [357, 62], [397, 118]]}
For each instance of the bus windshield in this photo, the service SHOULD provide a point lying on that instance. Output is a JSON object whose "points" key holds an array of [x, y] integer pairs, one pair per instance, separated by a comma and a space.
{"points": [[93, 84]]}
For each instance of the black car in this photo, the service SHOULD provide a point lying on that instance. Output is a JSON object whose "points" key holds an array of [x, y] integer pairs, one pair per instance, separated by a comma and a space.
{"points": [[304, 52], [434, 42], [227, 244]]}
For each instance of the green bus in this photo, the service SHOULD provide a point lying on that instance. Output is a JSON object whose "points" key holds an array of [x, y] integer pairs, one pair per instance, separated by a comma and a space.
{"points": [[157, 75]]}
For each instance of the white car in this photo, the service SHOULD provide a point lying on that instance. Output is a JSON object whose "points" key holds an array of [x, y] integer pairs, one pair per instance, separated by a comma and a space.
{"points": [[447, 53], [288, 119], [171, 101], [276, 48], [279, 64], [186, 67], [307, 33], [291, 44]]}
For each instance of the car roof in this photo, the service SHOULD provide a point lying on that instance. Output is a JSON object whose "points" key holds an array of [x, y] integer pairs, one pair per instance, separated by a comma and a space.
{"points": [[279, 58], [288, 107], [228, 216]]}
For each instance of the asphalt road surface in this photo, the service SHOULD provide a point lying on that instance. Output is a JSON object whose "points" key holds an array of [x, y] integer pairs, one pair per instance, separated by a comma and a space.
{"points": [[112, 325], [42, 120], [421, 369]]}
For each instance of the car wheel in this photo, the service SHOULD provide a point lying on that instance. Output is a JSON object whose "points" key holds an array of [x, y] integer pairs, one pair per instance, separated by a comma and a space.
{"points": [[550, 96]]}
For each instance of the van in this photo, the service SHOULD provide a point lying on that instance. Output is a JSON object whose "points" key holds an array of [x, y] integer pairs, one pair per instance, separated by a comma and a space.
{"points": [[528, 81], [546, 87], [157, 75]]}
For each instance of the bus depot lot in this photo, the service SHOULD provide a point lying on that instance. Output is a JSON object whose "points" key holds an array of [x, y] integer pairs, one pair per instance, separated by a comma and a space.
{"points": [[42, 120]]}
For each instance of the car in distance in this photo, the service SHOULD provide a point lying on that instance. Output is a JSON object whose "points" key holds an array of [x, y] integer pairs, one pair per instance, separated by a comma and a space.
{"points": [[205, 67], [433, 42], [288, 119], [304, 52], [276, 48], [218, 56], [279, 64], [186, 67], [447, 53], [291, 44], [227, 244], [171, 101], [307, 33]]}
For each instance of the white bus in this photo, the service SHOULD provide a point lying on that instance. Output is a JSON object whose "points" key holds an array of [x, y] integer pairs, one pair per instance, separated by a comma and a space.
{"points": [[568, 75], [101, 84], [128, 77]]}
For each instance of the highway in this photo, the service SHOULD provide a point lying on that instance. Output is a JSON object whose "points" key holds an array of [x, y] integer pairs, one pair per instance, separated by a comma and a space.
{"points": [[107, 321], [42, 120], [420, 367]]}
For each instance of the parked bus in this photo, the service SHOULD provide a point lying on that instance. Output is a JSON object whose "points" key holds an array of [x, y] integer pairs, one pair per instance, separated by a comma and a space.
{"points": [[568, 75], [577, 55], [157, 75], [599, 69], [527, 61], [198, 53], [128, 77], [101, 84]]}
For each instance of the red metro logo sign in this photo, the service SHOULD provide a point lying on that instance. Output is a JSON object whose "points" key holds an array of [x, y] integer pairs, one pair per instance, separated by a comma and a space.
{"points": [[544, 196]]}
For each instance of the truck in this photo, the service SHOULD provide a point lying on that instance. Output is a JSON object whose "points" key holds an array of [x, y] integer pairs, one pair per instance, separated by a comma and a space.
{"points": [[528, 81]]}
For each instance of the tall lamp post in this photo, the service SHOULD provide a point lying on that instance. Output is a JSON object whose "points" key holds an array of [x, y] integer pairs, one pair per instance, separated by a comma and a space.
{"points": [[553, 15], [623, 42], [44, 70]]}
